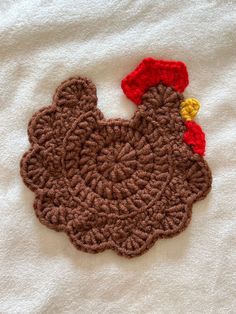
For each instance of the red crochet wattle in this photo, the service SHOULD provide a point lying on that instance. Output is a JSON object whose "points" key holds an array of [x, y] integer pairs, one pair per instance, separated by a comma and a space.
{"points": [[195, 137], [151, 72]]}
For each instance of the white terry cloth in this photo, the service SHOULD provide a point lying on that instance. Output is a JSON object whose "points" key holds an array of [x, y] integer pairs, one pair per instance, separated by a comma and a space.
{"points": [[43, 42]]}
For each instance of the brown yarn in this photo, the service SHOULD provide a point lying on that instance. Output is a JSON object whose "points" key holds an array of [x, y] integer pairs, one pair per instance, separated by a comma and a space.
{"points": [[113, 184]]}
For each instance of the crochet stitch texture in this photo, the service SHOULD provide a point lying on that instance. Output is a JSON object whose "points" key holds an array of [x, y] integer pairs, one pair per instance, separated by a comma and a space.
{"points": [[116, 184]]}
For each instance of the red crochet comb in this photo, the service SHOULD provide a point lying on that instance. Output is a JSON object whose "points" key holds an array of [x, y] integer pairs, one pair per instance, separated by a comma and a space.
{"points": [[149, 73]]}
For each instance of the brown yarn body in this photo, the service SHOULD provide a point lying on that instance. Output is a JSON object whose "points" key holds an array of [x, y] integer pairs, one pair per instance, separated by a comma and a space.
{"points": [[113, 184]]}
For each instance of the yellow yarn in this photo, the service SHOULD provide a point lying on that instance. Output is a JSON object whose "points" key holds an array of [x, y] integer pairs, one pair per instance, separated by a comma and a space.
{"points": [[189, 108]]}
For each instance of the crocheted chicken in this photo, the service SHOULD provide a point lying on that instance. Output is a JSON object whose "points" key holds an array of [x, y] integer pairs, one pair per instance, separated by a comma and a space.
{"points": [[118, 184]]}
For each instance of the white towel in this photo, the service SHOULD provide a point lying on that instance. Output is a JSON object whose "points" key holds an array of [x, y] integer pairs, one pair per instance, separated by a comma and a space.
{"points": [[43, 42]]}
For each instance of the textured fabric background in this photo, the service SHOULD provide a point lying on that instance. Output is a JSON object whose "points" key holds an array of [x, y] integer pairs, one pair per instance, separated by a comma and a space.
{"points": [[44, 42]]}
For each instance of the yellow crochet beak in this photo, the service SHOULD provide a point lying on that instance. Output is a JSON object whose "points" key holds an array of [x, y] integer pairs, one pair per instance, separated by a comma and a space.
{"points": [[189, 108]]}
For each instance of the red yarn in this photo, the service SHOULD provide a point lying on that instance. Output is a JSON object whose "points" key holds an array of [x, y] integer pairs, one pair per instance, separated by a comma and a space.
{"points": [[151, 72], [195, 137]]}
